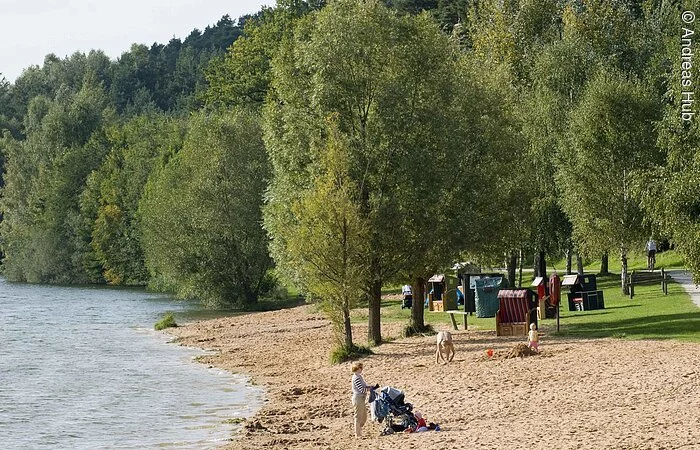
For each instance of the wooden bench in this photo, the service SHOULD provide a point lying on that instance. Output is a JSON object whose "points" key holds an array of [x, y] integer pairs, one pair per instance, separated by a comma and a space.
{"points": [[648, 277], [452, 313]]}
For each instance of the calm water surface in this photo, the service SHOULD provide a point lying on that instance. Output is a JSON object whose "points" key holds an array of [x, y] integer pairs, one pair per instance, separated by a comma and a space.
{"points": [[83, 368]]}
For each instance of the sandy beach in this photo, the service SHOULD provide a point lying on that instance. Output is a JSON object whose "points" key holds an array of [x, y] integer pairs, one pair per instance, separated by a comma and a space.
{"points": [[576, 394]]}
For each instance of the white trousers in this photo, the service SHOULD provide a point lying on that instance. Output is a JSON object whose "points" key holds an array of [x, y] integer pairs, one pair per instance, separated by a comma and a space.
{"points": [[359, 412]]}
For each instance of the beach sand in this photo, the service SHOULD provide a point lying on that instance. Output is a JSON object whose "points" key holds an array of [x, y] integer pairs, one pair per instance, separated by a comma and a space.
{"points": [[576, 394]]}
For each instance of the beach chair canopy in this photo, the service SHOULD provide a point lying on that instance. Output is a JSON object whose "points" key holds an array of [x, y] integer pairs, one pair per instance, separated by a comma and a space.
{"points": [[537, 281], [569, 280]]}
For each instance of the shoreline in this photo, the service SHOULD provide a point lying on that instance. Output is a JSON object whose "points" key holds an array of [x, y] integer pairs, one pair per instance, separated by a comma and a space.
{"points": [[578, 393]]}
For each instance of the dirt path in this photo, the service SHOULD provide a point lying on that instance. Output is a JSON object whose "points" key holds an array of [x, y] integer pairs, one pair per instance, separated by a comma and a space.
{"points": [[685, 279]]}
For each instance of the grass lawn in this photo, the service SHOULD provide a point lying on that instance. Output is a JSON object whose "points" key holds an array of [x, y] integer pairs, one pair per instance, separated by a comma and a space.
{"points": [[650, 315], [668, 259]]}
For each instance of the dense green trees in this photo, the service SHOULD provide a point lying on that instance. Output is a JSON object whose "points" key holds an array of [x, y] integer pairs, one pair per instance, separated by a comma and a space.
{"points": [[669, 191], [111, 197], [506, 38], [161, 77], [416, 137], [611, 135], [353, 83], [201, 214], [553, 52], [88, 133], [242, 75], [8, 119], [43, 235], [399, 137]]}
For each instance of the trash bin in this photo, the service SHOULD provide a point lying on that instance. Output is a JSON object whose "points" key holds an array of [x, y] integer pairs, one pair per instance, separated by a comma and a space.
{"points": [[468, 280], [486, 296]]}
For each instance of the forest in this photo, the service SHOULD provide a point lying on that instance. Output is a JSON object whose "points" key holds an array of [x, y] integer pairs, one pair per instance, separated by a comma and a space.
{"points": [[341, 146]]}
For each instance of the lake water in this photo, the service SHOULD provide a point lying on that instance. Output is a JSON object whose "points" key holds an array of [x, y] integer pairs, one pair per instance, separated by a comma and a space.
{"points": [[83, 368]]}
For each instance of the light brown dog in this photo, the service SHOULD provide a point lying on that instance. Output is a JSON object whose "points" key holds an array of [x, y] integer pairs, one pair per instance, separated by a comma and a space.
{"points": [[445, 347]]}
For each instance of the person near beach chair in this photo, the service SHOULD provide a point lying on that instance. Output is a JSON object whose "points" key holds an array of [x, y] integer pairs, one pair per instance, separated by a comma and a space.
{"points": [[533, 338], [407, 293]]}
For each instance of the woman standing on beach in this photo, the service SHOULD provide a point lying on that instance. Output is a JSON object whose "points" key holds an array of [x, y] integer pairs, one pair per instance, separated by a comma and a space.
{"points": [[359, 392]]}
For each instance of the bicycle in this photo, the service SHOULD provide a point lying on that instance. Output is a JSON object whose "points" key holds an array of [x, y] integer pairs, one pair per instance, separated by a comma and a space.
{"points": [[651, 260]]}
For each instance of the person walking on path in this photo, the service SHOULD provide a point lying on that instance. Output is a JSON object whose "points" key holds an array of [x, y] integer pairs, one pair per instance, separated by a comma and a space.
{"points": [[359, 394], [651, 253]]}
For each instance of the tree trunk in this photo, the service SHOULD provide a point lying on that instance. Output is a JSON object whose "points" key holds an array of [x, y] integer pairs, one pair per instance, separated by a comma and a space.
{"points": [[347, 326], [512, 263], [604, 264], [520, 270], [579, 264], [541, 265], [623, 272], [374, 332], [535, 264], [568, 261], [417, 310]]}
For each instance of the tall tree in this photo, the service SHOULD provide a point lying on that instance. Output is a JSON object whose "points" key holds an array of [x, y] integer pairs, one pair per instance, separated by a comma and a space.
{"points": [[327, 241], [44, 239], [611, 136], [110, 200], [201, 214], [506, 38], [560, 72], [390, 82], [670, 192]]}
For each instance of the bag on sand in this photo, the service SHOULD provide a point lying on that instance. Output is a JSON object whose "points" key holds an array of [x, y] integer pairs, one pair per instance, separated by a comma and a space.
{"points": [[379, 409]]}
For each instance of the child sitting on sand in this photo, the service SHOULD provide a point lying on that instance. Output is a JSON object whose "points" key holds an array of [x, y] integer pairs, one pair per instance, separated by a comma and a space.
{"points": [[421, 426], [533, 338]]}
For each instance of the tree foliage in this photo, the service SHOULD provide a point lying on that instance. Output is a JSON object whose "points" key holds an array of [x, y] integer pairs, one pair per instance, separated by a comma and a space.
{"points": [[44, 239], [668, 192], [201, 214], [242, 75], [414, 138], [327, 241], [611, 135], [111, 198]]}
